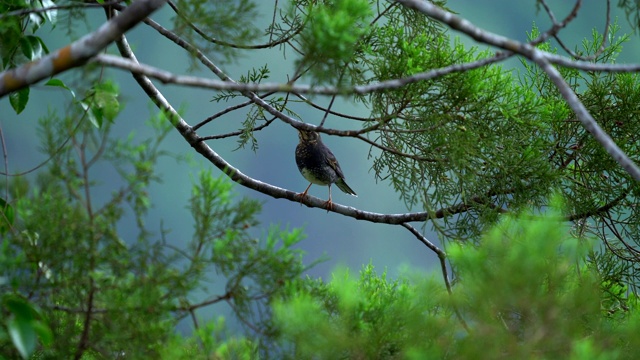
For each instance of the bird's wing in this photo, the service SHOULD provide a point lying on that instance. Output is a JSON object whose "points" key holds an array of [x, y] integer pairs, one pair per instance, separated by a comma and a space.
{"points": [[333, 162]]}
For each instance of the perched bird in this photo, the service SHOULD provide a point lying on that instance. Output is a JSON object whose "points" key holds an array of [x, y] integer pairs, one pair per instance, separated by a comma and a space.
{"points": [[318, 165]]}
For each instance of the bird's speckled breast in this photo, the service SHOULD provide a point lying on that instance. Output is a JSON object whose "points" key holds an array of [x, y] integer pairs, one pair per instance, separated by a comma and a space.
{"points": [[311, 177]]}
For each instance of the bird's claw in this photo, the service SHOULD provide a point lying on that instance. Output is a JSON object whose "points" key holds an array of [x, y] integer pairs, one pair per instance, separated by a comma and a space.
{"points": [[302, 196]]}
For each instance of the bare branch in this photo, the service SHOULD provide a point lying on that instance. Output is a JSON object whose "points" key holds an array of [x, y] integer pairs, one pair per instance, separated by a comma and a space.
{"points": [[573, 14], [229, 85]]}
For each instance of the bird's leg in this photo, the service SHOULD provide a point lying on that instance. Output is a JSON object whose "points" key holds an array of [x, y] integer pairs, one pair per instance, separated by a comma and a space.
{"points": [[304, 194], [329, 204]]}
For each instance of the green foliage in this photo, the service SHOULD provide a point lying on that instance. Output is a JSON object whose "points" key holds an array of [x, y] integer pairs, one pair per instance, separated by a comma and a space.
{"points": [[102, 100], [527, 291], [474, 143], [7, 216], [210, 341], [632, 10], [366, 318], [24, 325], [219, 28], [18, 44], [102, 292], [592, 183], [544, 298], [458, 137], [331, 36], [19, 99]]}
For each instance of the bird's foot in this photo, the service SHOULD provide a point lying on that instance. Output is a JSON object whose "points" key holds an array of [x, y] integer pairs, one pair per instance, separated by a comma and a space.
{"points": [[328, 205], [302, 196]]}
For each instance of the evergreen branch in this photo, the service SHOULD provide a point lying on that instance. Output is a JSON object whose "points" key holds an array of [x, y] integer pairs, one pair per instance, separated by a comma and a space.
{"points": [[332, 112], [232, 108], [208, 38], [237, 133], [628, 252], [586, 119], [602, 209], [544, 61]]}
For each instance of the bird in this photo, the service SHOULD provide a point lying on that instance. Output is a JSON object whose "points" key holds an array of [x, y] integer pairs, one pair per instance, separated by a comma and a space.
{"points": [[318, 165]]}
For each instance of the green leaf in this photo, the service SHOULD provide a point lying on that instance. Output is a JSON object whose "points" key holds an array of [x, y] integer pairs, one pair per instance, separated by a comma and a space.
{"points": [[50, 15], [96, 121], [102, 102], [19, 99], [20, 325], [23, 336], [36, 46], [97, 116], [44, 332], [59, 83], [25, 46], [7, 215], [35, 21], [19, 308], [31, 47], [44, 46]]}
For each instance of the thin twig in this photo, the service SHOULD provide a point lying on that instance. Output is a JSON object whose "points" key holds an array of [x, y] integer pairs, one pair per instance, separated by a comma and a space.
{"points": [[442, 256]]}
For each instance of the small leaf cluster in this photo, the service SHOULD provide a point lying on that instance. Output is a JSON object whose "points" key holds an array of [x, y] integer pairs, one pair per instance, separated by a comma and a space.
{"points": [[330, 39], [218, 28], [19, 43]]}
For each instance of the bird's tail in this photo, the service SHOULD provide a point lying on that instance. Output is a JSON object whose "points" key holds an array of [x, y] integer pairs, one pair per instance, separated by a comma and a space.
{"points": [[342, 185]]}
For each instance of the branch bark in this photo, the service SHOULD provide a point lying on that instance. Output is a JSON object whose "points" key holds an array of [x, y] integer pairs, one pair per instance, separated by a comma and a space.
{"points": [[77, 53]]}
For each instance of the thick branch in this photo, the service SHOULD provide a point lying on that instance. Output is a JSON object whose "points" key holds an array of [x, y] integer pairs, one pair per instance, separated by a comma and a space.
{"points": [[79, 52]]}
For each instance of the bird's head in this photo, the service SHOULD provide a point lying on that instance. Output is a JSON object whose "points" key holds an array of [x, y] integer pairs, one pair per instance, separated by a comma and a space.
{"points": [[308, 136]]}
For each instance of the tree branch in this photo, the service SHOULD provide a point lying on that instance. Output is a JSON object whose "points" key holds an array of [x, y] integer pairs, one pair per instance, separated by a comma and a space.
{"points": [[543, 60], [77, 53], [443, 267]]}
